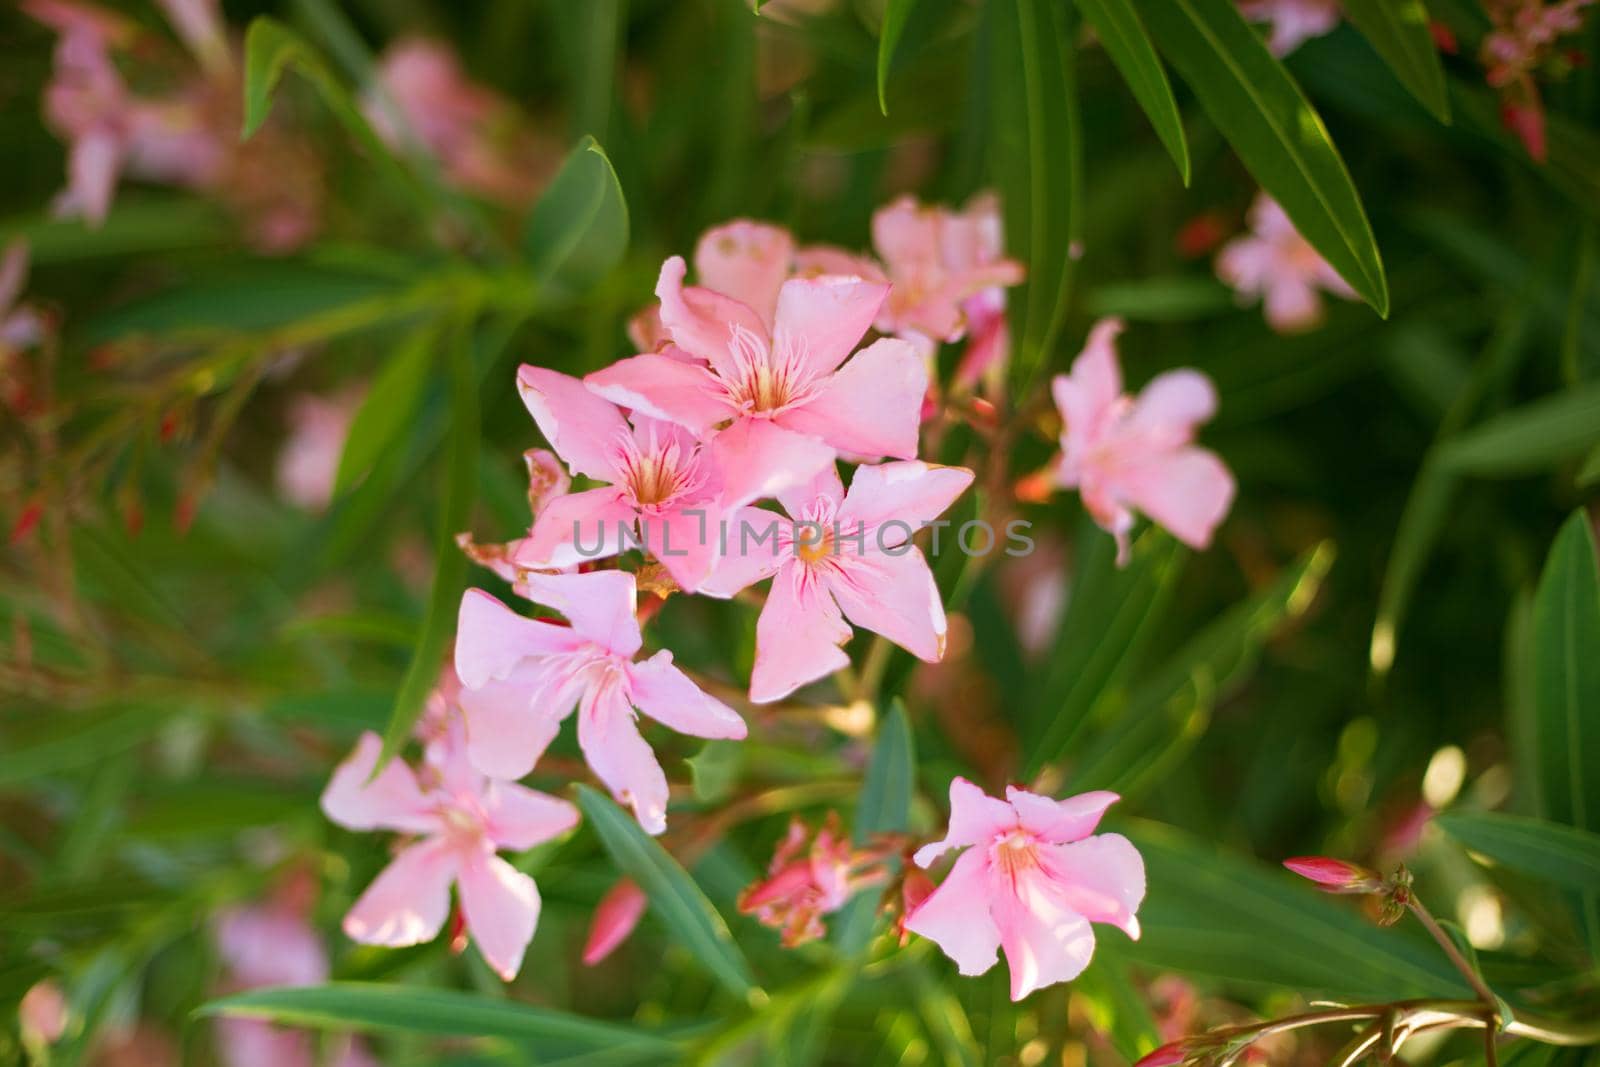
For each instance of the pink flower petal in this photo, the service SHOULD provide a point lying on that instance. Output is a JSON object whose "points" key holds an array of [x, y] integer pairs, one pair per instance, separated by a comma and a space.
{"points": [[518, 818], [1089, 392], [892, 595], [1189, 492], [1291, 304], [13, 273], [747, 261], [975, 819], [1169, 409], [824, 485], [621, 759], [685, 541], [760, 459], [92, 168], [658, 385], [618, 913], [910, 493], [821, 320], [578, 527], [667, 695], [749, 552], [702, 322], [1100, 878], [408, 902], [582, 428], [1044, 942], [510, 723], [391, 801], [872, 407], [501, 905], [797, 636], [491, 639], [1060, 821], [956, 916], [601, 606]]}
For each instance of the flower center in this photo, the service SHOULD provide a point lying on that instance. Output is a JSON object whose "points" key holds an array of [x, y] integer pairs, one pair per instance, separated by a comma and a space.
{"points": [[1015, 854], [813, 543]]}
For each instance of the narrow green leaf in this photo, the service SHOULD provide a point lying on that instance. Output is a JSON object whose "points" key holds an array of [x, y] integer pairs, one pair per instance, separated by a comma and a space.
{"points": [[75, 740], [449, 570], [1547, 850], [1529, 438], [894, 24], [1589, 473], [1398, 31], [1278, 135], [885, 807], [442, 1012], [1220, 916], [1037, 161], [674, 898], [1119, 29], [579, 229], [389, 406]]}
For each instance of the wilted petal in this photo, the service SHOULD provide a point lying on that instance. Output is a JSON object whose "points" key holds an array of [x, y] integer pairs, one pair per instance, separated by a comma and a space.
{"points": [[872, 406], [975, 819], [892, 595], [391, 801], [1100, 878], [582, 427], [666, 388], [667, 695], [408, 902], [501, 905], [797, 636], [956, 916]]}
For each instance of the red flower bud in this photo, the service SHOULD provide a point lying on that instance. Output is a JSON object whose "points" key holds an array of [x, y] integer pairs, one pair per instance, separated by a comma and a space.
{"points": [[619, 912], [32, 512], [1171, 1053], [1336, 876]]}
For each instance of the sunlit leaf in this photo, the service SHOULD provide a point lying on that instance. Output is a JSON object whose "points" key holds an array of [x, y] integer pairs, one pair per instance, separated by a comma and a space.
{"points": [[894, 24], [1557, 854]]}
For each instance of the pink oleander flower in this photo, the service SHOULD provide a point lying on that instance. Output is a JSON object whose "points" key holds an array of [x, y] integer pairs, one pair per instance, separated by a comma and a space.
{"points": [[614, 919], [1124, 453], [308, 463], [665, 491], [1524, 38], [839, 556], [42, 1013], [1336, 876], [1273, 262], [20, 325], [460, 820], [460, 123], [521, 677], [790, 398], [1293, 21], [1031, 881], [810, 876], [269, 945]]}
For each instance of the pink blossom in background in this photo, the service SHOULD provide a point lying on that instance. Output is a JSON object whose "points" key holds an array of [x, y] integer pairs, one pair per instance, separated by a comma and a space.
{"points": [[1124, 453], [1278, 266], [20, 326], [1033, 877], [198, 23], [42, 1013], [460, 123], [811, 875], [1293, 22], [618, 913], [839, 556], [269, 945], [521, 677], [308, 463], [459, 820], [1524, 38], [664, 484], [793, 396]]}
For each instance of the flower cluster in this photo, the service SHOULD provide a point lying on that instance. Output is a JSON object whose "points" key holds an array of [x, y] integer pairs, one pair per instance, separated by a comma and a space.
{"points": [[1292, 22], [1523, 44]]}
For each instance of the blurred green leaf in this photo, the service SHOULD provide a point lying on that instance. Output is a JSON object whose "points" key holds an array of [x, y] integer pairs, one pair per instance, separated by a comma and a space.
{"points": [[1175, 299], [1117, 24], [885, 807], [1566, 619], [71, 740], [715, 770], [579, 229], [1558, 854], [1279, 136], [894, 24], [674, 898], [141, 225], [1399, 31], [371, 1007], [1214, 915], [1117, 1007], [389, 407], [1037, 160], [1530, 437], [1589, 473], [450, 564]]}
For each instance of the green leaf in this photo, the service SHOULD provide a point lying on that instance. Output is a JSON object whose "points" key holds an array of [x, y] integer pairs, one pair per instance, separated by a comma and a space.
{"points": [[1219, 916], [372, 1007], [715, 770], [1529, 438], [1398, 31], [579, 229], [1589, 473], [1279, 136], [1566, 687], [674, 898], [1547, 850], [894, 24], [69, 741], [461, 470], [1119, 29], [1037, 161], [389, 407], [885, 807]]}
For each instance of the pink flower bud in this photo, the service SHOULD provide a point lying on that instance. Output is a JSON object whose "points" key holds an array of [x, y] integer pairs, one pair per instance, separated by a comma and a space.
{"points": [[619, 912], [1335, 876], [1172, 1052], [43, 1013]]}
